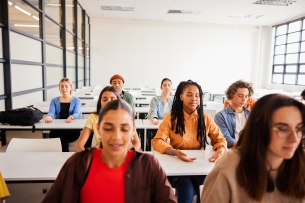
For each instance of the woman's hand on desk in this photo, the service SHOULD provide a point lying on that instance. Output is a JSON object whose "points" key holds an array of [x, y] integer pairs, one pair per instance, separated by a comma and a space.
{"points": [[155, 121], [69, 119], [219, 152], [48, 119], [183, 156]]}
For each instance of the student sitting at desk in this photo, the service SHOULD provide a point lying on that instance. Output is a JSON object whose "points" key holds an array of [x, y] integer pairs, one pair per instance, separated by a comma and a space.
{"points": [[267, 165], [107, 94], [64, 107], [118, 81], [161, 105], [112, 173], [187, 127], [232, 119], [4, 193]]}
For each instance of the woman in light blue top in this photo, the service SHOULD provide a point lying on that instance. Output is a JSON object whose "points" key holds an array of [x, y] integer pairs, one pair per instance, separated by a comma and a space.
{"points": [[161, 105], [64, 107]]}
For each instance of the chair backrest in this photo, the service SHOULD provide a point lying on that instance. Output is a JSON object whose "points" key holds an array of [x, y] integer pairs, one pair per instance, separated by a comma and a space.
{"points": [[211, 112], [88, 103], [34, 145]]}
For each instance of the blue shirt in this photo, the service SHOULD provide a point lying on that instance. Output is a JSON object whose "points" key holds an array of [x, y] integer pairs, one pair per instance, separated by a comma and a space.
{"points": [[157, 106], [226, 121], [74, 110]]}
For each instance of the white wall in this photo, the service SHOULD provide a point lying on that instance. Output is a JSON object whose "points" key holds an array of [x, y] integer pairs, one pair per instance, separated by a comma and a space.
{"points": [[144, 52]]}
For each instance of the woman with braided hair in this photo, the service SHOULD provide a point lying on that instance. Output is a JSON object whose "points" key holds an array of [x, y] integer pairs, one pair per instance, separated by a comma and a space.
{"points": [[187, 127]]}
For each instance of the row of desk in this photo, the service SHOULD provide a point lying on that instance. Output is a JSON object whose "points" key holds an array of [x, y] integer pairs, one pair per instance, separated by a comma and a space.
{"points": [[31, 167], [90, 109], [77, 124]]}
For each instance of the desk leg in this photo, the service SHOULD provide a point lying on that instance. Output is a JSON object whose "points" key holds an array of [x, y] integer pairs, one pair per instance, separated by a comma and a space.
{"points": [[145, 138], [3, 137]]}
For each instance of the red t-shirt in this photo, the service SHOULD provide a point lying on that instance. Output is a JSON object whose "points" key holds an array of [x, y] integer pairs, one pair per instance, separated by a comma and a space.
{"points": [[105, 184]]}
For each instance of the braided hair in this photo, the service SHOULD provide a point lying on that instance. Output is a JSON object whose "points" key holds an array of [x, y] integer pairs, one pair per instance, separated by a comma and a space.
{"points": [[177, 119]]}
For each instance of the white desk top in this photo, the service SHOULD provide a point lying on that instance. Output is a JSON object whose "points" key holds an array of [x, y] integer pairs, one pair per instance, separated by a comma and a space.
{"points": [[174, 166], [142, 109], [45, 166], [56, 124], [26, 166], [147, 124]]}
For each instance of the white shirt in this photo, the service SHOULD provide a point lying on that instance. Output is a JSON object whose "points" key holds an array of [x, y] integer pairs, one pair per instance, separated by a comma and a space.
{"points": [[166, 109], [240, 123]]}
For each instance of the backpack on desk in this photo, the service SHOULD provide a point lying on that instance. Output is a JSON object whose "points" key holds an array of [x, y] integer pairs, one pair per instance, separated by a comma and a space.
{"points": [[25, 116]]}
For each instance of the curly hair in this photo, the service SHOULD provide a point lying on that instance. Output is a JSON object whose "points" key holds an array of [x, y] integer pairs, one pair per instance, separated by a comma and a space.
{"points": [[239, 84]]}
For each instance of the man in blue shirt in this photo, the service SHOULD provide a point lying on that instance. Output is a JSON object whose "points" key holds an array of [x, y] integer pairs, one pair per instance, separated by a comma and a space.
{"points": [[232, 119]]}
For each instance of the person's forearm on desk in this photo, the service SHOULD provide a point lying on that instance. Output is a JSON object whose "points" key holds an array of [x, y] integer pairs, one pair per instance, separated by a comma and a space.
{"points": [[84, 136], [176, 152]]}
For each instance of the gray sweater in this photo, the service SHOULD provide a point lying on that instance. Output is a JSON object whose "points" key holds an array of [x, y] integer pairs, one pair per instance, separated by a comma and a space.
{"points": [[221, 185]]}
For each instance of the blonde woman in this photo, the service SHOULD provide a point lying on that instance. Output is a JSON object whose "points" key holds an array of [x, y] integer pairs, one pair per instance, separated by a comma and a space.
{"points": [[64, 107]]}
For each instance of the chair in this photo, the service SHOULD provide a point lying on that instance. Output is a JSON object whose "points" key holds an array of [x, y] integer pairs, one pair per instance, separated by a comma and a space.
{"points": [[200, 190], [34, 145]]}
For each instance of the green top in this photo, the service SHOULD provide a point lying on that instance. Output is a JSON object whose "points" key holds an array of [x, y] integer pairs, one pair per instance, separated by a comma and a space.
{"points": [[130, 99]]}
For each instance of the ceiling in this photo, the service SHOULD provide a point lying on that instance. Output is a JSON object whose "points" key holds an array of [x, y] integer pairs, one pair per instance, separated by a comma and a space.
{"points": [[211, 11]]}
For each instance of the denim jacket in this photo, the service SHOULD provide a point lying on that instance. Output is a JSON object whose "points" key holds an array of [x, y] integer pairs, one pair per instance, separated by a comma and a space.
{"points": [[157, 107], [74, 110], [226, 121]]}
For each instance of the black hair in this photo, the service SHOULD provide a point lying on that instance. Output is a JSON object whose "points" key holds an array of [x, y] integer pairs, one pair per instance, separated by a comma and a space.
{"points": [[165, 79], [115, 105], [303, 95], [106, 89], [177, 118]]}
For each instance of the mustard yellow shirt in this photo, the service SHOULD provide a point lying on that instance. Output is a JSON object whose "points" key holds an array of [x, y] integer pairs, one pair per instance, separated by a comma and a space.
{"points": [[189, 139], [91, 122], [4, 193]]}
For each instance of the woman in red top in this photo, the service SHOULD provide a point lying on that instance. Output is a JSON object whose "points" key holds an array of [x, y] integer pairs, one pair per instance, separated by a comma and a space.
{"points": [[113, 173]]}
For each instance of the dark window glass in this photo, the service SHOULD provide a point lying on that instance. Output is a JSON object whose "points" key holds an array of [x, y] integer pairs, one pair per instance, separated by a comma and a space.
{"points": [[24, 18], [53, 9], [53, 32], [79, 22], [87, 30], [70, 42], [70, 22], [80, 47]]}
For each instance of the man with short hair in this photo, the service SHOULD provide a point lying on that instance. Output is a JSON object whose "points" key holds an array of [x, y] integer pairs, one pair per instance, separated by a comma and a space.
{"points": [[118, 81], [232, 119]]}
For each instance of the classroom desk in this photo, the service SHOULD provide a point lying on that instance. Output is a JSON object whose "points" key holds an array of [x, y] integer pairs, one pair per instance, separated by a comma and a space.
{"points": [[174, 166], [31, 167], [148, 125], [84, 96], [141, 110], [84, 110], [76, 124]]}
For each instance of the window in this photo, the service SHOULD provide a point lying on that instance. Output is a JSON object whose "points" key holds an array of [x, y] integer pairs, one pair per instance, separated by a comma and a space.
{"points": [[289, 54], [41, 44], [53, 9], [24, 17], [53, 32]]}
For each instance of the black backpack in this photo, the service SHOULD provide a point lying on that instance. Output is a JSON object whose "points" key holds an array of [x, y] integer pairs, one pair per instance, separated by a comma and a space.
{"points": [[25, 116]]}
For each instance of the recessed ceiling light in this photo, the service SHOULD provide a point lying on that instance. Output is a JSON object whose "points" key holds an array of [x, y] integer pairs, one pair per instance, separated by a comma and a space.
{"points": [[117, 8], [275, 2], [21, 25], [22, 10], [241, 15], [187, 12]]}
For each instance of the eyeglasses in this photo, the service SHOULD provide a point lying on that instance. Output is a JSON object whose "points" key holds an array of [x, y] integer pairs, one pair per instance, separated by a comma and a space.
{"points": [[285, 132]]}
